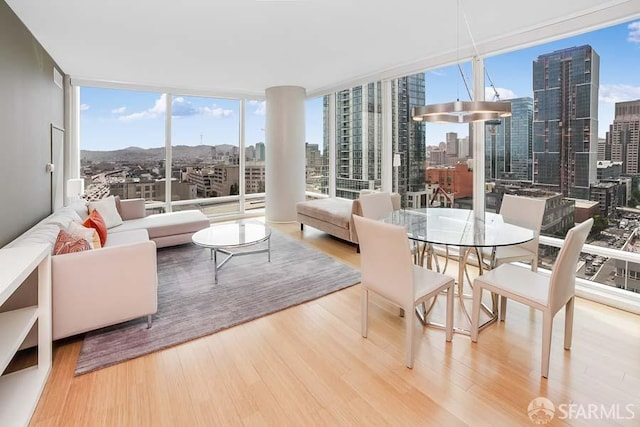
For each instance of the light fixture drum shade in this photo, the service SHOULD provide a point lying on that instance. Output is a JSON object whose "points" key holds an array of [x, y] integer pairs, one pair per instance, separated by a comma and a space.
{"points": [[461, 111], [75, 187]]}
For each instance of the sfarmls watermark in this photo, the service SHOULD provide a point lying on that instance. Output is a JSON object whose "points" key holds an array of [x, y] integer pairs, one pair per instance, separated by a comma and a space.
{"points": [[542, 410]]}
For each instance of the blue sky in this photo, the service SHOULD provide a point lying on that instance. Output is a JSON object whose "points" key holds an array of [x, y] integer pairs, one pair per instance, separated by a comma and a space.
{"points": [[113, 119]]}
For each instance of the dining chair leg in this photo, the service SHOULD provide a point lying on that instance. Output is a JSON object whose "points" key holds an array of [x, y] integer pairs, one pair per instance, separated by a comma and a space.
{"points": [[568, 323], [364, 310], [475, 313], [409, 325], [449, 325], [547, 327]]}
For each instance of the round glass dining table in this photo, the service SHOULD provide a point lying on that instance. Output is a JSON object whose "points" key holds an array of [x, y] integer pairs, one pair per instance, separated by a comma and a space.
{"points": [[465, 230], [459, 227]]}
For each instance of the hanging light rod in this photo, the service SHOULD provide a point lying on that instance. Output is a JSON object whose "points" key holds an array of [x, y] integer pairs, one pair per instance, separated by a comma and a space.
{"points": [[461, 111]]}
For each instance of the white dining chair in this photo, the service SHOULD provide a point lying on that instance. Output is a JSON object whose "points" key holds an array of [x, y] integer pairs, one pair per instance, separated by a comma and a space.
{"points": [[376, 205], [525, 212], [387, 270], [539, 291]]}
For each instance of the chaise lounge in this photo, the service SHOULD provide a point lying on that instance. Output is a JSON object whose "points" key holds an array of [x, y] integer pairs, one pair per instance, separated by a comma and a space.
{"points": [[333, 215]]}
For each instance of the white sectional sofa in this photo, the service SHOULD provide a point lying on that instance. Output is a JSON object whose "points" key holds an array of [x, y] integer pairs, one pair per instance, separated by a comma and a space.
{"points": [[166, 229], [113, 284]]}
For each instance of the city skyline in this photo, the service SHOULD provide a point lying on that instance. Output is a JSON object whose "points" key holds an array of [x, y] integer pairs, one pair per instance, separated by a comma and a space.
{"points": [[112, 119]]}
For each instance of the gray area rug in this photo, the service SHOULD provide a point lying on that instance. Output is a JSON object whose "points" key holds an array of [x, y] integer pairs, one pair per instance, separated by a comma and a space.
{"points": [[190, 305]]}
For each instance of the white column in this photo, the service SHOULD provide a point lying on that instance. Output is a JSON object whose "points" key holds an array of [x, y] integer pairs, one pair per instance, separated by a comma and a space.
{"points": [[478, 140], [285, 162]]}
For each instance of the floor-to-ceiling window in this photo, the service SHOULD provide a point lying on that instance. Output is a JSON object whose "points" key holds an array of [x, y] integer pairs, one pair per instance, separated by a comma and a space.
{"points": [[573, 140], [122, 151], [317, 145], [448, 159], [254, 154], [205, 146]]}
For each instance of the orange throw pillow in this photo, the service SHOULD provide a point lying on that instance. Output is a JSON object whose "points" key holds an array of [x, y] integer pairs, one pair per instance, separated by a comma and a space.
{"points": [[96, 221], [67, 244]]}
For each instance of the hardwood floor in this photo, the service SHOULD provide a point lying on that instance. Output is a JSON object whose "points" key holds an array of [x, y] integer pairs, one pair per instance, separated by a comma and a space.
{"points": [[309, 365]]}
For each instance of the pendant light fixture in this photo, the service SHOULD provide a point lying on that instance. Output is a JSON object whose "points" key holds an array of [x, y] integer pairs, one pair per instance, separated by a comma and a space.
{"points": [[461, 111]]}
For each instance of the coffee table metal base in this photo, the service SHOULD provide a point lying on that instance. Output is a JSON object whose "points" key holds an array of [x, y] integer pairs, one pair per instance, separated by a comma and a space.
{"points": [[229, 255]]}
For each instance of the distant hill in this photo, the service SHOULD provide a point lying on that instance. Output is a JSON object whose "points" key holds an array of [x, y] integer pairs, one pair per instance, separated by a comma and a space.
{"points": [[137, 154]]}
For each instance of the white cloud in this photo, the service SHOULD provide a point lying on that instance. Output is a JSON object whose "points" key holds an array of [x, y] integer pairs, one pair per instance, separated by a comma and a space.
{"points": [[158, 109], [634, 32], [437, 73], [612, 93], [489, 93], [261, 108], [120, 110], [180, 107], [84, 107], [216, 112]]}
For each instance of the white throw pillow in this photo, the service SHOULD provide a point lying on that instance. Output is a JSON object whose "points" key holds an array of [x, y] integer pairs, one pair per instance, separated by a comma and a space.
{"points": [[107, 209], [88, 234]]}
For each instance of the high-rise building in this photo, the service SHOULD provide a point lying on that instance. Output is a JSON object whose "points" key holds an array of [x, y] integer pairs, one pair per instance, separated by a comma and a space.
{"points": [[452, 144], [359, 137], [313, 156], [604, 149], [565, 120], [623, 137], [463, 148], [408, 135], [260, 152], [508, 143]]}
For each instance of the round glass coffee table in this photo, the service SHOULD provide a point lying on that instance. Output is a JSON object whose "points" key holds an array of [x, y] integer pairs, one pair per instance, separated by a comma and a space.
{"points": [[224, 237]]}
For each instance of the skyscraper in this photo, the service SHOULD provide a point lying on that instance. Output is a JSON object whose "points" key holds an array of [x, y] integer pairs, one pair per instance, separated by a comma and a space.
{"points": [[623, 138], [452, 144], [358, 139], [260, 151], [408, 135], [508, 143], [565, 120], [359, 136]]}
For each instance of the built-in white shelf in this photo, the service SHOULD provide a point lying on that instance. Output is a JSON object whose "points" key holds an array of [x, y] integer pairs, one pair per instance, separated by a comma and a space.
{"points": [[14, 327], [21, 390], [19, 395]]}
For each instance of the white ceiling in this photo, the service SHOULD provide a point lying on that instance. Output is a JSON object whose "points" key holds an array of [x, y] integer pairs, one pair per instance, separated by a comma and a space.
{"points": [[242, 47]]}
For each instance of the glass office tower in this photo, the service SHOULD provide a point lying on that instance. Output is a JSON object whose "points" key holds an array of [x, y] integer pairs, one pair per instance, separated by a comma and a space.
{"points": [[358, 134], [408, 135], [508, 143], [565, 120]]}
